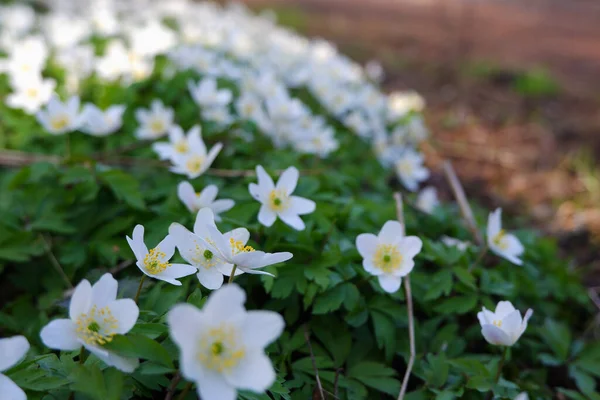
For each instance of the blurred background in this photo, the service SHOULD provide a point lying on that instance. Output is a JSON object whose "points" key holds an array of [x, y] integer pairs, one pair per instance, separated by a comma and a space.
{"points": [[512, 91]]}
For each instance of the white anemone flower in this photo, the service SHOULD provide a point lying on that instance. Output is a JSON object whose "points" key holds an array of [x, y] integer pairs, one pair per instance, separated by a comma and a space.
{"points": [[522, 396], [59, 117], [277, 199], [178, 144], [454, 242], [31, 95], [389, 255], [504, 244], [155, 122], [207, 94], [191, 246], [155, 262], [95, 317], [206, 198], [410, 169], [427, 200], [102, 123], [12, 350], [222, 345], [504, 326], [235, 251], [197, 160]]}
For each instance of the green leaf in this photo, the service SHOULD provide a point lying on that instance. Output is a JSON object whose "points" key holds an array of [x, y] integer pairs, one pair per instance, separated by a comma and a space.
{"points": [[440, 284], [558, 337], [465, 277], [140, 346], [457, 304], [480, 383], [124, 187], [329, 301]]}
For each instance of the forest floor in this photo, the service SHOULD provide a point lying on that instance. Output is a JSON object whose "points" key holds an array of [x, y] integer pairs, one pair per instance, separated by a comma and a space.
{"points": [[512, 92]]}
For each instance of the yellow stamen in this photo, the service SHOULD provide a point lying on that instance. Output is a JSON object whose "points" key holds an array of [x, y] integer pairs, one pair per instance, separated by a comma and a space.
{"points": [[387, 258], [239, 247], [97, 327], [59, 122], [219, 349], [498, 323], [499, 241], [194, 164], [182, 146], [154, 262], [157, 126], [278, 200]]}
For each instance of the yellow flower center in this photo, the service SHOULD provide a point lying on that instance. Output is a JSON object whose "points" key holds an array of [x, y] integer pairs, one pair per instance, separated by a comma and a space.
{"points": [[405, 167], [387, 258], [157, 126], [237, 246], [154, 262], [498, 323], [219, 350], [194, 164], [181, 146], [204, 257], [32, 92], [97, 326], [59, 122], [278, 200], [499, 241], [249, 108]]}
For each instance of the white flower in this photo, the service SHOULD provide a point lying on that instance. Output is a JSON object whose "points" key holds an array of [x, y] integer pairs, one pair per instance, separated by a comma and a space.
{"points": [[453, 242], [59, 117], [155, 262], [206, 198], [31, 95], [178, 144], [374, 71], [102, 123], [522, 396], [277, 200], [401, 103], [207, 94], [154, 123], [12, 350], [193, 248], [410, 169], [233, 249], [389, 255], [222, 345], [197, 160], [95, 317], [505, 326], [427, 200], [504, 244]]}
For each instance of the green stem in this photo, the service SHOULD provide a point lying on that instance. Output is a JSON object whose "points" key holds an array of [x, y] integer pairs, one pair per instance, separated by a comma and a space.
{"points": [[55, 262], [232, 274], [185, 391], [137, 295], [480, 256], [68, 146], [82, 355], [499, 372]]}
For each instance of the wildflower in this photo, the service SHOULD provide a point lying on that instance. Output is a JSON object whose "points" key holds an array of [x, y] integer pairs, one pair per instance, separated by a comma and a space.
{"points": [[179, 143], [277, 200], [154, 123], [206, 198], [222, 345], [197, 160], [235, 251], [410, 169], [505, 326], [453, 242], [206, 93], [192, 247], [95, 317], [59, 117], [504, 244], [31, 95], [102, 123], [427, 200], [12, 350], [522, 396], [155, 262], [389, 255]]}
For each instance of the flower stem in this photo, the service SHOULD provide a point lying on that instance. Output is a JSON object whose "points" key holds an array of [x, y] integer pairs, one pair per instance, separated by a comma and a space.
{"points": [[67, 146], [480, 256], [499, 372], [185, 391], [82, 355], [137, 295], [55, 262], [232, 273]]}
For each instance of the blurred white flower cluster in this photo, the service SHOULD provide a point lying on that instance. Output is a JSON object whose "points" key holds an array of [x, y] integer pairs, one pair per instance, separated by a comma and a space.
{"points": [[296, 91]]}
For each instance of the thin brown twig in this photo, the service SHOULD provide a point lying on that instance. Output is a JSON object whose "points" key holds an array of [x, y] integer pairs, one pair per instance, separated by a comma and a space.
{"points": [[185, 391], [335, 382], [409, 305], [314, 363], [462, 201], [594, 296], [55, 262], [174, 382]]}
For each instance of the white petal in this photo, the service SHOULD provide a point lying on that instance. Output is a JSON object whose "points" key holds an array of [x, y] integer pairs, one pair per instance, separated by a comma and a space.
{"points": [[185, 322], [126, 312], [204, 218], [210, 278], [255, 372], [370, 267], [302, 206], [410, 246], [261, 328], [187, 195], [81, 301], [266, 216], [292, 220], [238, 235], [60, 335], [212, 154], [288, 180], [167, 246], [264, 180], [485, 316], [137, 242], [9, 390], [222, 205], [528, 315], [12, 350], [406, 267], [227, 302], [514, 245], [496, 336], [366, 244], [208, 195], [260, 193], [503, 309], [391, 232], [494, 223], [176, 271], [389, 283], [213, 386], [511, 324], [104, 291]]}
